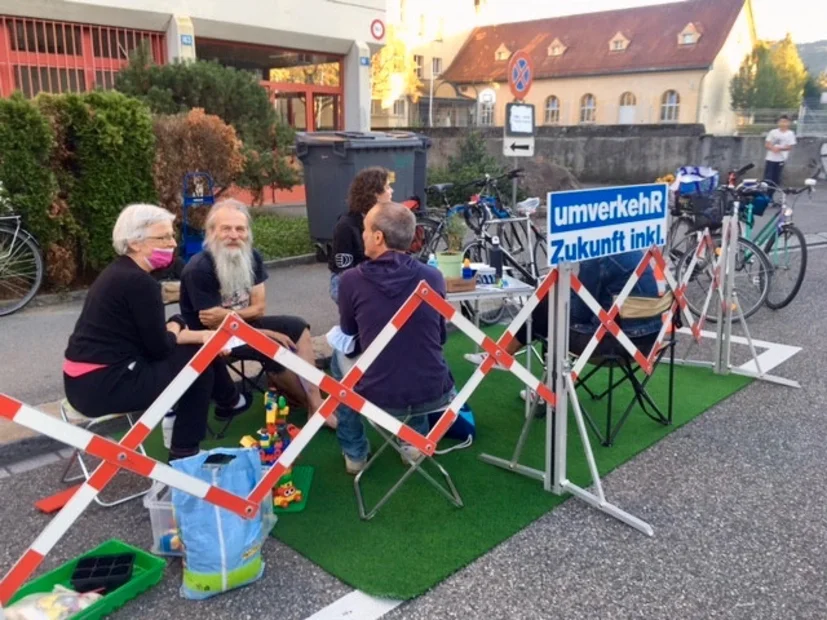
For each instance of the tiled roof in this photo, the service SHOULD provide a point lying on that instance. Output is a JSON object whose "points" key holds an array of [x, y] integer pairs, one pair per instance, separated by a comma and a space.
{"points": [[652, 31]]}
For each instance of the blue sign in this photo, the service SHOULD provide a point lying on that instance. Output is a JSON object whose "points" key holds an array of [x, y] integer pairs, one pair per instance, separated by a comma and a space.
{"points": [[521, 75], [364, 61], [592, 223], [186, 39]]}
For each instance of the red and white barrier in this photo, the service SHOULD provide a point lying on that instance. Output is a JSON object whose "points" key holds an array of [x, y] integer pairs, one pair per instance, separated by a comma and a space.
{"points": [[608, 318]]}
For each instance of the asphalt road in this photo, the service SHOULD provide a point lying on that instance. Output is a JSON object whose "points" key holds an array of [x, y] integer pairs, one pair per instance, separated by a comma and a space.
{"points": [[735, 498], [32, 341]]}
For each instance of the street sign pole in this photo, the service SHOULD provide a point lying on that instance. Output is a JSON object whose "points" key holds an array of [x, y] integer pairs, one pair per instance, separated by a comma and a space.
{"points": [[518, 129]]}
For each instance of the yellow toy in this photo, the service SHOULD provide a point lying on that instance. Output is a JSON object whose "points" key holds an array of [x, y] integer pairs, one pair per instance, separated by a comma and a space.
{"points": [[286, 491]]}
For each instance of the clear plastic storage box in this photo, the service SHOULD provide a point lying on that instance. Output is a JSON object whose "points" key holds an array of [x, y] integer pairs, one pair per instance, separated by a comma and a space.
{"points": [[159, 503]]}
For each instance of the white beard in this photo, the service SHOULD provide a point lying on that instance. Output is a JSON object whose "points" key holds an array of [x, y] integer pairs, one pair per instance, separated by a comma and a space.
{"points": [[233, 268]]}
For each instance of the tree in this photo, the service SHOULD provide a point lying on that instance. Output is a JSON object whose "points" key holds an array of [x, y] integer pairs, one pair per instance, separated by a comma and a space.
{"points": [[791, 73], [472, 162], [190, 142], [393, 71], [234, 96], [771, 76]]}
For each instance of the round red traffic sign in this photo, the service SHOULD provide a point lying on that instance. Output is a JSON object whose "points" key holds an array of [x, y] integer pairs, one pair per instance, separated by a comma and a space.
{"points": [[377, 29], [520, 74]]}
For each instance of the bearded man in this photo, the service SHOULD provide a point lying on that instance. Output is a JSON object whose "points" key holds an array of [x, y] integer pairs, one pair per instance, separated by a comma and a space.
{"points": [[228, 276]]}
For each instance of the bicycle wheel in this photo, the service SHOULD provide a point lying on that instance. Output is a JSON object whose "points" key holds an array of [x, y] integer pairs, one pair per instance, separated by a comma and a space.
{"points": [[787, 252], [752, 278], [541, 258], [491, 311], [680, 238], [21, 270], [475, 217], [424, 239]]}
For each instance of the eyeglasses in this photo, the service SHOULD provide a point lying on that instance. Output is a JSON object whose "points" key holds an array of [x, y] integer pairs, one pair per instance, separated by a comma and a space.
{"points": [[162, 238]]}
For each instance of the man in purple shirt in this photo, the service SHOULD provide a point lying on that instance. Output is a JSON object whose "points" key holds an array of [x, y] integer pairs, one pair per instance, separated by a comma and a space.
{"points": [[410, 376]]}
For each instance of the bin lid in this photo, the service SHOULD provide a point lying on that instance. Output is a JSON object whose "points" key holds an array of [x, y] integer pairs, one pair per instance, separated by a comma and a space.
{"points": [[363, 139]]}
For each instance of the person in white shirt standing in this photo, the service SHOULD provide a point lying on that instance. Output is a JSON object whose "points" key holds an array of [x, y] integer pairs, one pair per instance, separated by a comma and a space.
{"points": [[779, 143]]}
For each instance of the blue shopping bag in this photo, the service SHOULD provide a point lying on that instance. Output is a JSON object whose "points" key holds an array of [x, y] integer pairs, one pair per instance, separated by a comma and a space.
{"points": [[222, 550]]}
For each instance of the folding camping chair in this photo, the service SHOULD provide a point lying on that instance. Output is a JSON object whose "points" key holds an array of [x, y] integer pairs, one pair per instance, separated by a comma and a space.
{"points": [[73, 416], [619, 358], [450, 493], [257, 383]]}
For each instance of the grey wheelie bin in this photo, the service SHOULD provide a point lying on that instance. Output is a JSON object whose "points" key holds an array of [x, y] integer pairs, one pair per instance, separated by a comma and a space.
{"points": [[332, 158]]}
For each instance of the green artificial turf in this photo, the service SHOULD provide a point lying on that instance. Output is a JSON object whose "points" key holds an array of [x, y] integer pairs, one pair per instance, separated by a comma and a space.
{"points": [[418, 538]]}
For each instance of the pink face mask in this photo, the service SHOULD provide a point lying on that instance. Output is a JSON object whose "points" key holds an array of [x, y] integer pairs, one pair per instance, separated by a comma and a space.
{"points": [[160, 259]]}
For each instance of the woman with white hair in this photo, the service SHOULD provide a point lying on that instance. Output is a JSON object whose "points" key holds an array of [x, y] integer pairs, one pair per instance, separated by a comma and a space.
{"points": [[123, 352]]}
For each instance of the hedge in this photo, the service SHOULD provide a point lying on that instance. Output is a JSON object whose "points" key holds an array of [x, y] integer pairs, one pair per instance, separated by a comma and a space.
{"points": [[106, 150], [26, 145]]}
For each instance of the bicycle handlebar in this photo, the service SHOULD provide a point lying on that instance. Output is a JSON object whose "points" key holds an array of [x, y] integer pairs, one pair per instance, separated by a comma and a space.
{"points": [[517, 173], [744, 169], [795, 191]]}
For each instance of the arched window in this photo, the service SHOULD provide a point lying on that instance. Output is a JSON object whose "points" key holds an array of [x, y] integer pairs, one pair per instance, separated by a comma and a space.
{"points": [[552, 110], [670, 105], [588, 108], [628, 99]]}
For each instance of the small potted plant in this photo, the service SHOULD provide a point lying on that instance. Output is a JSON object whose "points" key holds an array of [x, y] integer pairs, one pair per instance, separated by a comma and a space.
{"points": [[450, 261]]}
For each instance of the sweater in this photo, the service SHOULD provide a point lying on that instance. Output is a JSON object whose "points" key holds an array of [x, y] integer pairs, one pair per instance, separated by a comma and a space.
{"points": [[411, 369], [123, 319], [348, 249]]}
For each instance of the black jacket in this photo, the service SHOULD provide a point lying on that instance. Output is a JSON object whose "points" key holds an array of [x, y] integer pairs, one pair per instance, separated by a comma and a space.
{"points": [[348, 248]]}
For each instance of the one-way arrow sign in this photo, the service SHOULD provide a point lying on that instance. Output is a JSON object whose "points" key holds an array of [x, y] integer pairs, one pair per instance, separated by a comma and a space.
{"points": [[518, 147]]}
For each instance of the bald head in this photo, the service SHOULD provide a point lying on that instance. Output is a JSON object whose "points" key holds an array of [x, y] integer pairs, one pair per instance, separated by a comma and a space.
{"points": [[388, 226]]}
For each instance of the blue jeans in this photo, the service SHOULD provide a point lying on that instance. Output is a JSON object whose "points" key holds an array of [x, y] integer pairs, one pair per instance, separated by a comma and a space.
{"points": [[351, 429], [334, 287]]}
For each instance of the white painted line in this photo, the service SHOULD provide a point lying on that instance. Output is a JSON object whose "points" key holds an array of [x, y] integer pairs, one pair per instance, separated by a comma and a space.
{"points": [[356, 606], [775, 354], [771, 358]]}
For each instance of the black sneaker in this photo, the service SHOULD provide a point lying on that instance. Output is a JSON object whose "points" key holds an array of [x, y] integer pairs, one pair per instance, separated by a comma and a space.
{"points": [[226, 413]]}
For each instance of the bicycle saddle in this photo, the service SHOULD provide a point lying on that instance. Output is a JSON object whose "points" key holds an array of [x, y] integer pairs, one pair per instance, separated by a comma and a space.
{"points": [[441, 187], [530, 204]]}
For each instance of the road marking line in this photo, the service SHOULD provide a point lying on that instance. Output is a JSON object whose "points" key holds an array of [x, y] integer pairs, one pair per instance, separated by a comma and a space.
{"points": [[775, 354], [356, 606]]}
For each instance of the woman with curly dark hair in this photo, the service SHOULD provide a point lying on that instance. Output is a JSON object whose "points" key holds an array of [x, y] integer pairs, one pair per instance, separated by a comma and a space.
{"points": [[369, 187]]}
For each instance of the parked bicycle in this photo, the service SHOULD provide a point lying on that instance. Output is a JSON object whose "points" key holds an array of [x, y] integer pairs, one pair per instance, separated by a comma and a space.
{"points": [[513, 223], [782, 242], [753, 270], [482, 210], [21, 262]]}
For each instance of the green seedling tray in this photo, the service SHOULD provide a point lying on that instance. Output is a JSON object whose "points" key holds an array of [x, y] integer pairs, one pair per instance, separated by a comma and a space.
{"points": [[147, 571]]}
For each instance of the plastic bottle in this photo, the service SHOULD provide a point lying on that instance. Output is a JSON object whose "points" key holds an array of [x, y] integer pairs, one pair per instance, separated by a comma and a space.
{"points": [[432, 261], [495, 255]]}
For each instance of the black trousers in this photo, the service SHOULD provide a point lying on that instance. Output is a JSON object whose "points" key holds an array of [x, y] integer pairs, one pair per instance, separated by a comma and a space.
{"points": [[290, 326], [120, 389], [773, 171]]}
